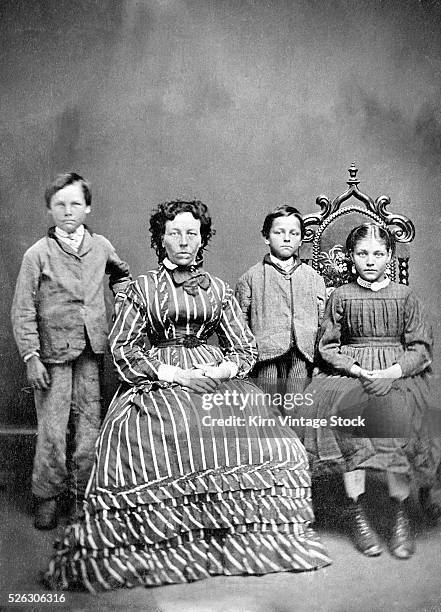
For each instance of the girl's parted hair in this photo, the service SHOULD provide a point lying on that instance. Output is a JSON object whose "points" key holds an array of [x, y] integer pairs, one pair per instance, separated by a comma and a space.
{"points": [[167, 211], [370, 230]]}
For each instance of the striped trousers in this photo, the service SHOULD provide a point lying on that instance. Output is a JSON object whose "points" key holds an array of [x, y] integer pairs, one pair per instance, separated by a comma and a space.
{"points": [[289, 373]]}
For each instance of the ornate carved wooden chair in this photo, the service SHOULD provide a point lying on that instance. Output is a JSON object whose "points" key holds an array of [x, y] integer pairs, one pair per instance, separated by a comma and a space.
{"points": [[324, 248], [326, 232]]}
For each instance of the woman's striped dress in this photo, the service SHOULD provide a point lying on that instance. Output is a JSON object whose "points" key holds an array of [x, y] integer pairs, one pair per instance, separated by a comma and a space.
{"points": [[174, 495]]}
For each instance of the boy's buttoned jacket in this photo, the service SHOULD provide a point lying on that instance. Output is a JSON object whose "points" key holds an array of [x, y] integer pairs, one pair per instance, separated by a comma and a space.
{"points": [[59, 297], [282, 308]]}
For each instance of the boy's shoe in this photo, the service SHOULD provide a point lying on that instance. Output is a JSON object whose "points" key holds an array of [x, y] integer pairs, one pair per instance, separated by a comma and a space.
{"points": [[46, 513]]}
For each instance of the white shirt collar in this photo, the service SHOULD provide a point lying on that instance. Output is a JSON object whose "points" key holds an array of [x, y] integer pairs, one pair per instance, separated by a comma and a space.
{"points": [[78, 233], [172, 266], [168, 264], [74, 239], [286, 264], [375, 286]]}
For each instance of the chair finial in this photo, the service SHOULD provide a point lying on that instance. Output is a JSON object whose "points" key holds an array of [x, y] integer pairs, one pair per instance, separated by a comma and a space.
{"points": [[353, 175]]}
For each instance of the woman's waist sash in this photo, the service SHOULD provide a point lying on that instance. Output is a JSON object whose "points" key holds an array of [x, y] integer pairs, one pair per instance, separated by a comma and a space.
{"points": [[187, 340]]}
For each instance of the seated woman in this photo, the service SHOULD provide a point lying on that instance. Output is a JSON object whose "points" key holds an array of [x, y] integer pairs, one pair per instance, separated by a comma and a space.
{"points": [[182, 488], [375, 347]]}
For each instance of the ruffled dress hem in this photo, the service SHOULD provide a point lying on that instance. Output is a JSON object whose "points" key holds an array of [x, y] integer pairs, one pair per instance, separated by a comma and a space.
{"points": [[249, 523]]}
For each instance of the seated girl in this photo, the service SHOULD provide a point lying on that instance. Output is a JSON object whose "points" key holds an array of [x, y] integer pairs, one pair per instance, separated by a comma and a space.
{"points": [[375, 346]]}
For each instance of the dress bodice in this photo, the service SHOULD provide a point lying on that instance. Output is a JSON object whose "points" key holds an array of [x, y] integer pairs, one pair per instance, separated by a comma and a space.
{"points": [[155, 311], [375, 329]]}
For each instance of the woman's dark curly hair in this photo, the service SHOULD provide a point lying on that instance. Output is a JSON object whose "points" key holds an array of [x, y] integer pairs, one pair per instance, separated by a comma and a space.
{"points": [[167, 211]]}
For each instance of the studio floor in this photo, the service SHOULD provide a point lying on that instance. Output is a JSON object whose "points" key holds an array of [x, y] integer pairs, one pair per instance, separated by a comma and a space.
{"points": [[351, 583]]}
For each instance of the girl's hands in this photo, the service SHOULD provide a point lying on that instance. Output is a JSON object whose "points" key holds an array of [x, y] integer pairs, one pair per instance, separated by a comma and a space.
{"points": [[376, 386], [379, 382], [358, 372]]}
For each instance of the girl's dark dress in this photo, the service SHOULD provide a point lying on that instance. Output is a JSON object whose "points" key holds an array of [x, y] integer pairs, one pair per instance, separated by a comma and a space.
{"points": [[170, 499], [374, 330]]}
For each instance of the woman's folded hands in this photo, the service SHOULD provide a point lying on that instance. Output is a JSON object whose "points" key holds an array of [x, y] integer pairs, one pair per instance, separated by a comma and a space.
{"points": [[198, 379]]}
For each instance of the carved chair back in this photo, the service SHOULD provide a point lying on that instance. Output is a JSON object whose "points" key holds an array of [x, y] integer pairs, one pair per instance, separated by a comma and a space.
{"points": [[326, 232]]}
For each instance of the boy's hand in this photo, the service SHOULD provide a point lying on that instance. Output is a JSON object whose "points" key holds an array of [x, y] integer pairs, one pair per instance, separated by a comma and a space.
{"points": [[38, 376]]}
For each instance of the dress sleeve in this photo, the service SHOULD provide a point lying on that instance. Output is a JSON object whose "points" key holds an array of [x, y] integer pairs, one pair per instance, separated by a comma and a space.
{"points": [[243, 297], [329, 345], [235, 338], [417, 339], [126, 339], [117, 269]]}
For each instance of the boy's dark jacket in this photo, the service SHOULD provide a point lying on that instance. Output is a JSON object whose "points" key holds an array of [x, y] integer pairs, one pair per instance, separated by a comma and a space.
{"points": [[275, 323], [59, 296]]}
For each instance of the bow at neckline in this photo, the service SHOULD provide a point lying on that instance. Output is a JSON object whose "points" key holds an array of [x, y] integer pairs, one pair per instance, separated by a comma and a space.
{"points": [[189, 277]]}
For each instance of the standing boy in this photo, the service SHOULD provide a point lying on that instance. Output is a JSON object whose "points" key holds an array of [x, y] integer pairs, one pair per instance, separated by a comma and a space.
{"points": [[283, 301], [60, 327]]}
